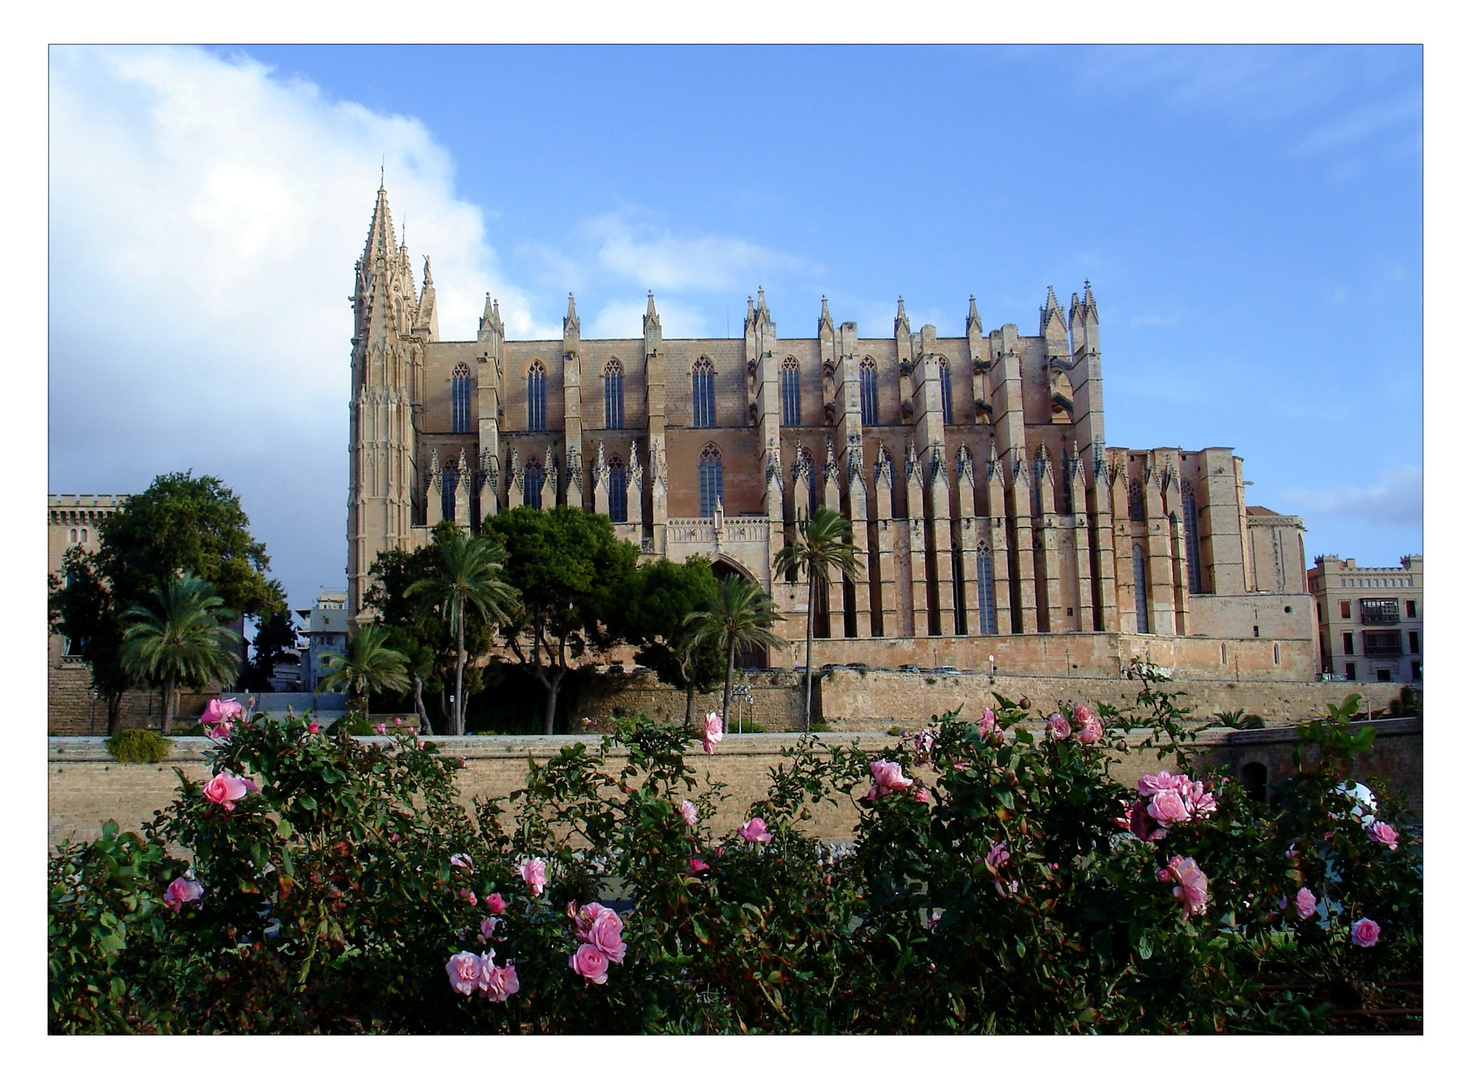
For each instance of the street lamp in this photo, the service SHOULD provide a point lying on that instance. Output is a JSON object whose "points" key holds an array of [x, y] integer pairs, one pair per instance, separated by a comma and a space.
{"points": [[991, 658]]}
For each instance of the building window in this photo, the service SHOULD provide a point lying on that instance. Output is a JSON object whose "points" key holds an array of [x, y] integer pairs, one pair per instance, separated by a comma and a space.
{"points": [[711, 480], [612, 395], [1140, 588], [459, 399], [790, 393], [1347, 643], [1385, 674], [945, 402], [72, 536], [1411, 609], [1068, 496], [536, 398], [1275, 654], [1416, 670], [1345, 608], [448, 489], [1350, 669], [1383, 643], [1379, 611], [1191, 540], [84, 534], [1135, 500], [617, 490], [1321, 617], [985, 579], [535, 477], [868, 387], [807, 464], [703, 379], [1413, 641]]}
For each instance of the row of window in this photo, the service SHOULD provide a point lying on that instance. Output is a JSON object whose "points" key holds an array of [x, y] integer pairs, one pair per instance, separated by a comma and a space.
{"points": [[75, 537], [702, 393], [1382, 643], [1375, 610]]}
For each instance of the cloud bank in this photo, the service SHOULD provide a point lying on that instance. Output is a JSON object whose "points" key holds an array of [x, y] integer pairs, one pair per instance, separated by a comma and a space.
{"points": [[1394, 500]]}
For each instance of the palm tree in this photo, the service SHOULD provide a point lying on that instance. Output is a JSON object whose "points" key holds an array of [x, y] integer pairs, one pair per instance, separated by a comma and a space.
{"points": [[823, 544], [180, 640], [368, 665], [738, 620], [468, 580]]}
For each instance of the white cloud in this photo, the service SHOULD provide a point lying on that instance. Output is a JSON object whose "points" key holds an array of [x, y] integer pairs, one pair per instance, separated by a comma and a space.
{"points": [[624, 319], [649, 255], [1364, 123], [1396, 498]]}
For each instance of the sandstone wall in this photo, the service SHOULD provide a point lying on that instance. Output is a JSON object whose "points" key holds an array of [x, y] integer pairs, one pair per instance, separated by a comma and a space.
{"points": [[86, 787]]}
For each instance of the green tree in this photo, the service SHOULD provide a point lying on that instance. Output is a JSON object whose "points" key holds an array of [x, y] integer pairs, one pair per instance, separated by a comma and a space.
{"points": [[368, 666], [181, 523], [274, 636], [468, 585], [740, 618], [823, 545], [653, 613], [569, 567], [180, 640]]}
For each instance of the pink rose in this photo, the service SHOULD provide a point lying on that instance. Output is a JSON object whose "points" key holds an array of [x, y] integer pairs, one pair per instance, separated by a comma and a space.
{"points": [[464, 972], [398, 721], [1384, 834], [689, 812], [468, 896], [1365, 933], [888, 777], [533, 873], [923, 745], [180, 892], [226, 787], [1138, 822], [607, 935], [1152, 785], [1193, 887], [495, 903], [219, 717], [498, 983], [381, 729], [590, 962], [714, 731], [997, 857], [1306, 903], [696, 865], [1057, 724], [313, 728], [986, 726], [754, 831], [487, 927], [1167, 807], [1089, 728], [461, 860], [921, 794]]}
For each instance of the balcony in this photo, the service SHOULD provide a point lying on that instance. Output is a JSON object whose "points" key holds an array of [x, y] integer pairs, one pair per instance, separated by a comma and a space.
{"points": [[1379, 612], [1382, 643]]}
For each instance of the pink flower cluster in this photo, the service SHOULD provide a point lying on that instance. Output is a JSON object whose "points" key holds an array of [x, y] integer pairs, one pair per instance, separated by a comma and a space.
{"points": [[1057, 725], [714, 731], [689, 812], [1384, 834], [468, 973], [1193, 888], [600, 931], [888, 778], [754, 831], [1306, 903], [988, 728], [533, 873], [1365, 933], [924, 744], [225, 789], [1165, 800], [219, 717], [180, 892], [1089, 727]]}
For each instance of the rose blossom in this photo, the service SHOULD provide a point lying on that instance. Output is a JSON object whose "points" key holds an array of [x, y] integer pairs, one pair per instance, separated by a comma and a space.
{"points": [[180, 892], [754, 831], [1089, 728], [689, 812], [1193, 888], [468, 896], [1057, 724], [487, 927], [607, 935], [590, 962], [888, 777], [464, 972], [997, 857], [313, 728], [226, 787], [495, 903], [381, 729], [1384, 834], [219, 717], [923, 745], [697, 864], [461, 860], [1167, 807], [714, 731], [498, 983], [1365, 933], [1306, 903], [1138, 822], [533, 873]]}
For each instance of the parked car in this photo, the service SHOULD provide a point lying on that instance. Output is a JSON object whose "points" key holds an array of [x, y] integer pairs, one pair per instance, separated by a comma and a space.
{"points": [[945, 669], [911, 668]]}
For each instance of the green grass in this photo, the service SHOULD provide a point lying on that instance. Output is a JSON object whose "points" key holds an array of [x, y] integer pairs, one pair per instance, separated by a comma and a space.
{"points": [[138, 745]]}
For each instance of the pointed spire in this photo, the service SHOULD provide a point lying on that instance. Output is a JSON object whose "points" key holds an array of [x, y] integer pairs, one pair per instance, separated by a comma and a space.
{"points": [[380, 238], [901, 321], [1089, 305], [650, 316], [760, 305], [571, 324], [1051, 316], [972, 319], [824, 322], [749, 309], [428, 274]]}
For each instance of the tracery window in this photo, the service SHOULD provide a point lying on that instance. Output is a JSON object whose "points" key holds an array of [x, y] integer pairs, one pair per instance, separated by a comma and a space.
{"points": [[459, 399], [945, 401], [790, 393], [535, 477], [536, 397], [985, 580], [1140, 587], [448, 489], [703, 392], [868, 390], [1135, 500], [711, 479], [1191, 539], [612, 395], [617, 489], [808, 465]]}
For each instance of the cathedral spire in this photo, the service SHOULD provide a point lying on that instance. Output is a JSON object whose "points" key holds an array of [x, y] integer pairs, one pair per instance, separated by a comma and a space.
{"points": [[825, 321], [571, 323], [1052, 323], [380, 238], [972, 319], [650, 316], [901, 320]]}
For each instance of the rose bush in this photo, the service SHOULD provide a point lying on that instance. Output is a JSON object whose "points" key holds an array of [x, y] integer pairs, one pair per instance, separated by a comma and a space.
{"points": [[322, 883]]}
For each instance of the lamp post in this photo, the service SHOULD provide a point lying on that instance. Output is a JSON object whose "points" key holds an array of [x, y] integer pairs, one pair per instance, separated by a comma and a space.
{"points": [[991, 658]]}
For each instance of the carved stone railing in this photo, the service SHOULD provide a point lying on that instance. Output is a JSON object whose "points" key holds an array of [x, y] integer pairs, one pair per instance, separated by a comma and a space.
{"points": [[733, 530]]}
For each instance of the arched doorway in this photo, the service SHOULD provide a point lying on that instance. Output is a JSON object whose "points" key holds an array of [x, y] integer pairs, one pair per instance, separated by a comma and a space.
{"points": [[756, 656]]}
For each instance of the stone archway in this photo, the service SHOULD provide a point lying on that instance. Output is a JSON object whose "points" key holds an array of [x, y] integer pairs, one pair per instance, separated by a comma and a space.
{"points": [[757, 656]]}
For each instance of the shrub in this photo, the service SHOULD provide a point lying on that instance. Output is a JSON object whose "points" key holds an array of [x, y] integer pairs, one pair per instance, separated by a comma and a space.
{"points": [[138, 745], [999, 881]]}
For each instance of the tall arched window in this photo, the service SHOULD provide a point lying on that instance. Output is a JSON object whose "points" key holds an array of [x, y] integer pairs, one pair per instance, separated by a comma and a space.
{"points": [[449, 487], [945, 402], [711, 479], [1191, 539], [703, 388], [1140, 588], [808, 465], [1135, 500], [868, 387], [790, 393], [1068, 504], [536, 397], [617, 489], [459, 399], [535, 477], [985, 580], [612, 395]]}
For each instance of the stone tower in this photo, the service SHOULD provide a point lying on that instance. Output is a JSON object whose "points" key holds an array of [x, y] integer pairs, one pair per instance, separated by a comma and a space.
{"points": [[392, 322]]}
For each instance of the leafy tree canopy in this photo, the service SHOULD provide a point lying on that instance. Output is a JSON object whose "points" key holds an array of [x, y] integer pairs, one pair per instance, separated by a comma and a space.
{"points": [[653, 610]]}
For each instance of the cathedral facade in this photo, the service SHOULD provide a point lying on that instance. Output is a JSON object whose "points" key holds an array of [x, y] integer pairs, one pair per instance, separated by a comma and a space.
{"points": [[994, 524]]}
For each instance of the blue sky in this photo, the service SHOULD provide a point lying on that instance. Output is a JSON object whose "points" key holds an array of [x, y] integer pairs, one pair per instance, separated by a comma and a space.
{"points": [[1251, 220]]}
